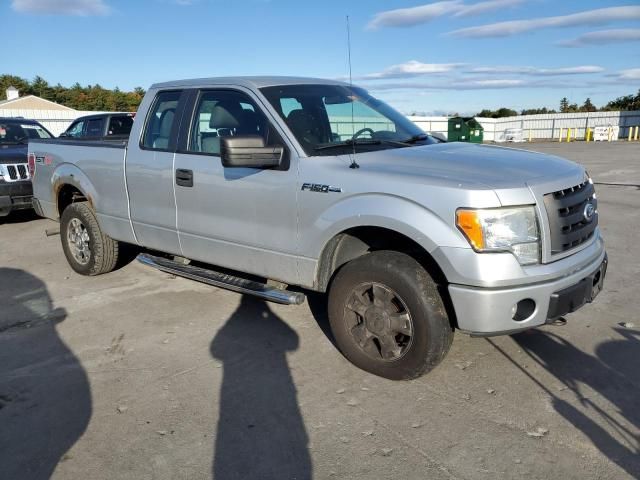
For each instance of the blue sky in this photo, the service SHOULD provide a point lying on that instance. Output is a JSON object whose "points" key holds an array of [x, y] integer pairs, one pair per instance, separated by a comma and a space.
{"points": [[434, 57]]}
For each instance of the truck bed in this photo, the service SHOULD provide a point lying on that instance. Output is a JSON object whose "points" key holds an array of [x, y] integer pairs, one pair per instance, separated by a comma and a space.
{"points": [[74, 162]]}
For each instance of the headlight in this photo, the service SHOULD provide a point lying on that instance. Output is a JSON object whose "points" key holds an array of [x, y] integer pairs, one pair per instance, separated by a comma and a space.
{"points": [[502, 229]]}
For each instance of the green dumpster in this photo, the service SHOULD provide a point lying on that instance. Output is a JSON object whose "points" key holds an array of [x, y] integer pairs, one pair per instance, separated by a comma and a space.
{"points": [[465, 129]]}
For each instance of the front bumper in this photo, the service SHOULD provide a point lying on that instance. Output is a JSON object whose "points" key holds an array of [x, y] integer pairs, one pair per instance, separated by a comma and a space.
{"points": [[489, 311], [15, 196]]}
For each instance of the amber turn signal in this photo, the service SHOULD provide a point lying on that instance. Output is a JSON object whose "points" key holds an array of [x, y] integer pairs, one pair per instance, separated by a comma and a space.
{"points": [[469, 223]]}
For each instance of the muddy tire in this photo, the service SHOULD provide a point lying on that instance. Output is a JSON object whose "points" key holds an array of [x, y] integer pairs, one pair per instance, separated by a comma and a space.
{"points": [[387, 316], [88, 250]]}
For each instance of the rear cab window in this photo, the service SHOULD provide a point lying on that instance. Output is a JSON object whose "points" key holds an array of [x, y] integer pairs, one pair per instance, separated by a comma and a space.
{"points": [[159, 129], [120, 125]]}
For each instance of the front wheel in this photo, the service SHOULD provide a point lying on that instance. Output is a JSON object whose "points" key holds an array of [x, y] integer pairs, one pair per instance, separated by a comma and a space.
{"points": [[88, 250], [387, 316]]}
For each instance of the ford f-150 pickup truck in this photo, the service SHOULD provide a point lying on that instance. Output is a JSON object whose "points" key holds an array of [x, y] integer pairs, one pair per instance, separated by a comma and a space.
{"points": [[317, 184]]}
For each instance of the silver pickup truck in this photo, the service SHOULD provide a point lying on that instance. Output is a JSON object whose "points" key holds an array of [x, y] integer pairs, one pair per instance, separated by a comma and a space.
{"points": [[316, 184]]}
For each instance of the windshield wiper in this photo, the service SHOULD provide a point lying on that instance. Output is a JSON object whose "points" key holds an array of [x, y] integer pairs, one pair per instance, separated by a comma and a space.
{"points": [[362, 141], [416, 138], [350, 143]]}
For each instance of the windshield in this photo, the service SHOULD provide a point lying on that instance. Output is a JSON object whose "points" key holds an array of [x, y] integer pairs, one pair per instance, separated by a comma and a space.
{"points": [[15, 132], [326, 119]]}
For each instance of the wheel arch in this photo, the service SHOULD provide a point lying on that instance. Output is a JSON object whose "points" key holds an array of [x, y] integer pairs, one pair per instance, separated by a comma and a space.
{"points": [[357, 241], [69, 185]]}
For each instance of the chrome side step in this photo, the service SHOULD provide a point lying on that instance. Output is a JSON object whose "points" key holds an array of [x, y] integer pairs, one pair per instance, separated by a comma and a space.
{"points": [[222, 280]]}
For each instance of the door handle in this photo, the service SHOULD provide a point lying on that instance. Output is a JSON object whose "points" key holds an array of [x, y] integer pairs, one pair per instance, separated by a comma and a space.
{"points": [[184, 178]]}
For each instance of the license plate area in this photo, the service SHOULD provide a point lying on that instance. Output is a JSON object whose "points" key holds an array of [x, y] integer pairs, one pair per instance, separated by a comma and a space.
{"points": [[572, 298]]}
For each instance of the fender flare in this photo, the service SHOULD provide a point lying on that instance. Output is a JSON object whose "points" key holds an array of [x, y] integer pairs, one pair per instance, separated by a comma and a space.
{"points": [[70, 174]]}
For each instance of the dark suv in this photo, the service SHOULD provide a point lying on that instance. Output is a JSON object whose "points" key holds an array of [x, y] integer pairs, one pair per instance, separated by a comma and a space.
{"points": [[100, 126], [15, 178]]}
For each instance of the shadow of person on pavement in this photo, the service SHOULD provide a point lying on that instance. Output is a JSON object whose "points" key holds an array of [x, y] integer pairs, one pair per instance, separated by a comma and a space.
{"points": [[261, 433], [45, 399], [613, 373]]}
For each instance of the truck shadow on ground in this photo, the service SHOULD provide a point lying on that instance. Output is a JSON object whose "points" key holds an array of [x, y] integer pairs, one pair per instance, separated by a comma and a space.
{"points": [[20, 216], [45, 398], [261, 433], [613, 373]]}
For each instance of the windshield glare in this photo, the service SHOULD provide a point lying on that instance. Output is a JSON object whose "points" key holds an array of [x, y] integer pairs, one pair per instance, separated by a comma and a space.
{"points": [[12, 133], [324, 115]]}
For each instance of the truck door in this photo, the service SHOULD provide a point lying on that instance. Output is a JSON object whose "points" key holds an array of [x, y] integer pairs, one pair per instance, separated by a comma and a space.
{"points": [[239, 218], [149, 172]]}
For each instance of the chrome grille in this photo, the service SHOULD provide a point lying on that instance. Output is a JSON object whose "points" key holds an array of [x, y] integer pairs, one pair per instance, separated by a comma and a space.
{"points": [[14, 172], [569, 224]]}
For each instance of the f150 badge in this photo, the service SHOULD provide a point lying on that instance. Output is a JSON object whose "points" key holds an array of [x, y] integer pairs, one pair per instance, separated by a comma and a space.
{"points": [[316, 187]]}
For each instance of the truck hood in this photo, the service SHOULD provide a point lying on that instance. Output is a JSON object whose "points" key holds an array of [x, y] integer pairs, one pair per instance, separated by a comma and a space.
{"points": [[483, 166], [13, 153]]}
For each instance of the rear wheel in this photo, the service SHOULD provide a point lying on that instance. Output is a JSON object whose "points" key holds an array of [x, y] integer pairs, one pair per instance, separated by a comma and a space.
{"points": [[88, 250], [387, 316]]}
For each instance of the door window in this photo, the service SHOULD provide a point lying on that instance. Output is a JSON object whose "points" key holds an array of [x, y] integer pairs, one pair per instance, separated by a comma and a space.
{"points": [[160, 121], [75, 130], [95, 127], [226, 113]]}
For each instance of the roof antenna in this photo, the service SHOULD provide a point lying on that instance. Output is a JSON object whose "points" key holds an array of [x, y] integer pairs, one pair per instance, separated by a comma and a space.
{"points": [[354, 164]]}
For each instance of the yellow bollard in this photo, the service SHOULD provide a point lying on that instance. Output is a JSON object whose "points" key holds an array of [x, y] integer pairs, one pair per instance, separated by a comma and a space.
{"points": [[560, 138], [568, 135], [529, 135], [630, 134], [588, 135], [636, 135], [609, 133]]}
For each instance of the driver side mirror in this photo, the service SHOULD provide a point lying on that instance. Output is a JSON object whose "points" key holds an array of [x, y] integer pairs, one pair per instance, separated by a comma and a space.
{"points": [[250, 152]]}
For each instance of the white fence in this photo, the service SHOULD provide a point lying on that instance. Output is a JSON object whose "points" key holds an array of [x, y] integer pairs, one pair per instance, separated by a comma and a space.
{"points": [[540, 127], [546, 126]]}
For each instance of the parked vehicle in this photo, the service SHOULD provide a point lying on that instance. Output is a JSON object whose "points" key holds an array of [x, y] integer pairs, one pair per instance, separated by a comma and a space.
{"points": [[317, 184], [100, 126], [15, 180]]}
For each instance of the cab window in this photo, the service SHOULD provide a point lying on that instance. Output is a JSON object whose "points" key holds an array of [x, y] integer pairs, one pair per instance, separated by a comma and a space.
{"points": [[76, 129], [161, 120], [95, 127], [226, 113], [120, 125]]}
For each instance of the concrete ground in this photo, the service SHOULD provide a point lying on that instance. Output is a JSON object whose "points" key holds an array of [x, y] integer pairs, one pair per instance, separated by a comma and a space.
{"points": [[140, 375]]}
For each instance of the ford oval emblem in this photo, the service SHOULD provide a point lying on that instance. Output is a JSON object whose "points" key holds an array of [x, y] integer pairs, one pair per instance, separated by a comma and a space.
{"points": [[589, 212]]}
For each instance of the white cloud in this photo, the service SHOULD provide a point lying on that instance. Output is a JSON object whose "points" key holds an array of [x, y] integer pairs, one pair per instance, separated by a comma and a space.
{"points": [[414, 68], [460, 84], [411, 68], [604, 37], [482, 7], [408, 17], [61, 7], [629, 74], [579, 70], [590, 17]]}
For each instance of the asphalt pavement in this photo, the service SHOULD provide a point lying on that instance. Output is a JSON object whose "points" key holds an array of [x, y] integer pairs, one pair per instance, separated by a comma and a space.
{"points": [[140, 375]]}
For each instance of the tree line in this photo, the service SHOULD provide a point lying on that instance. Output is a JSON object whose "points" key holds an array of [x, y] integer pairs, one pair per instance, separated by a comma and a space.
{"points": [[627, 102], [78, 97], [95, 97]]}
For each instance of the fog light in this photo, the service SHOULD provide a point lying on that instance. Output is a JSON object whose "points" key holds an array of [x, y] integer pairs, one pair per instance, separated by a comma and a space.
{"points": [[523, 310]]}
